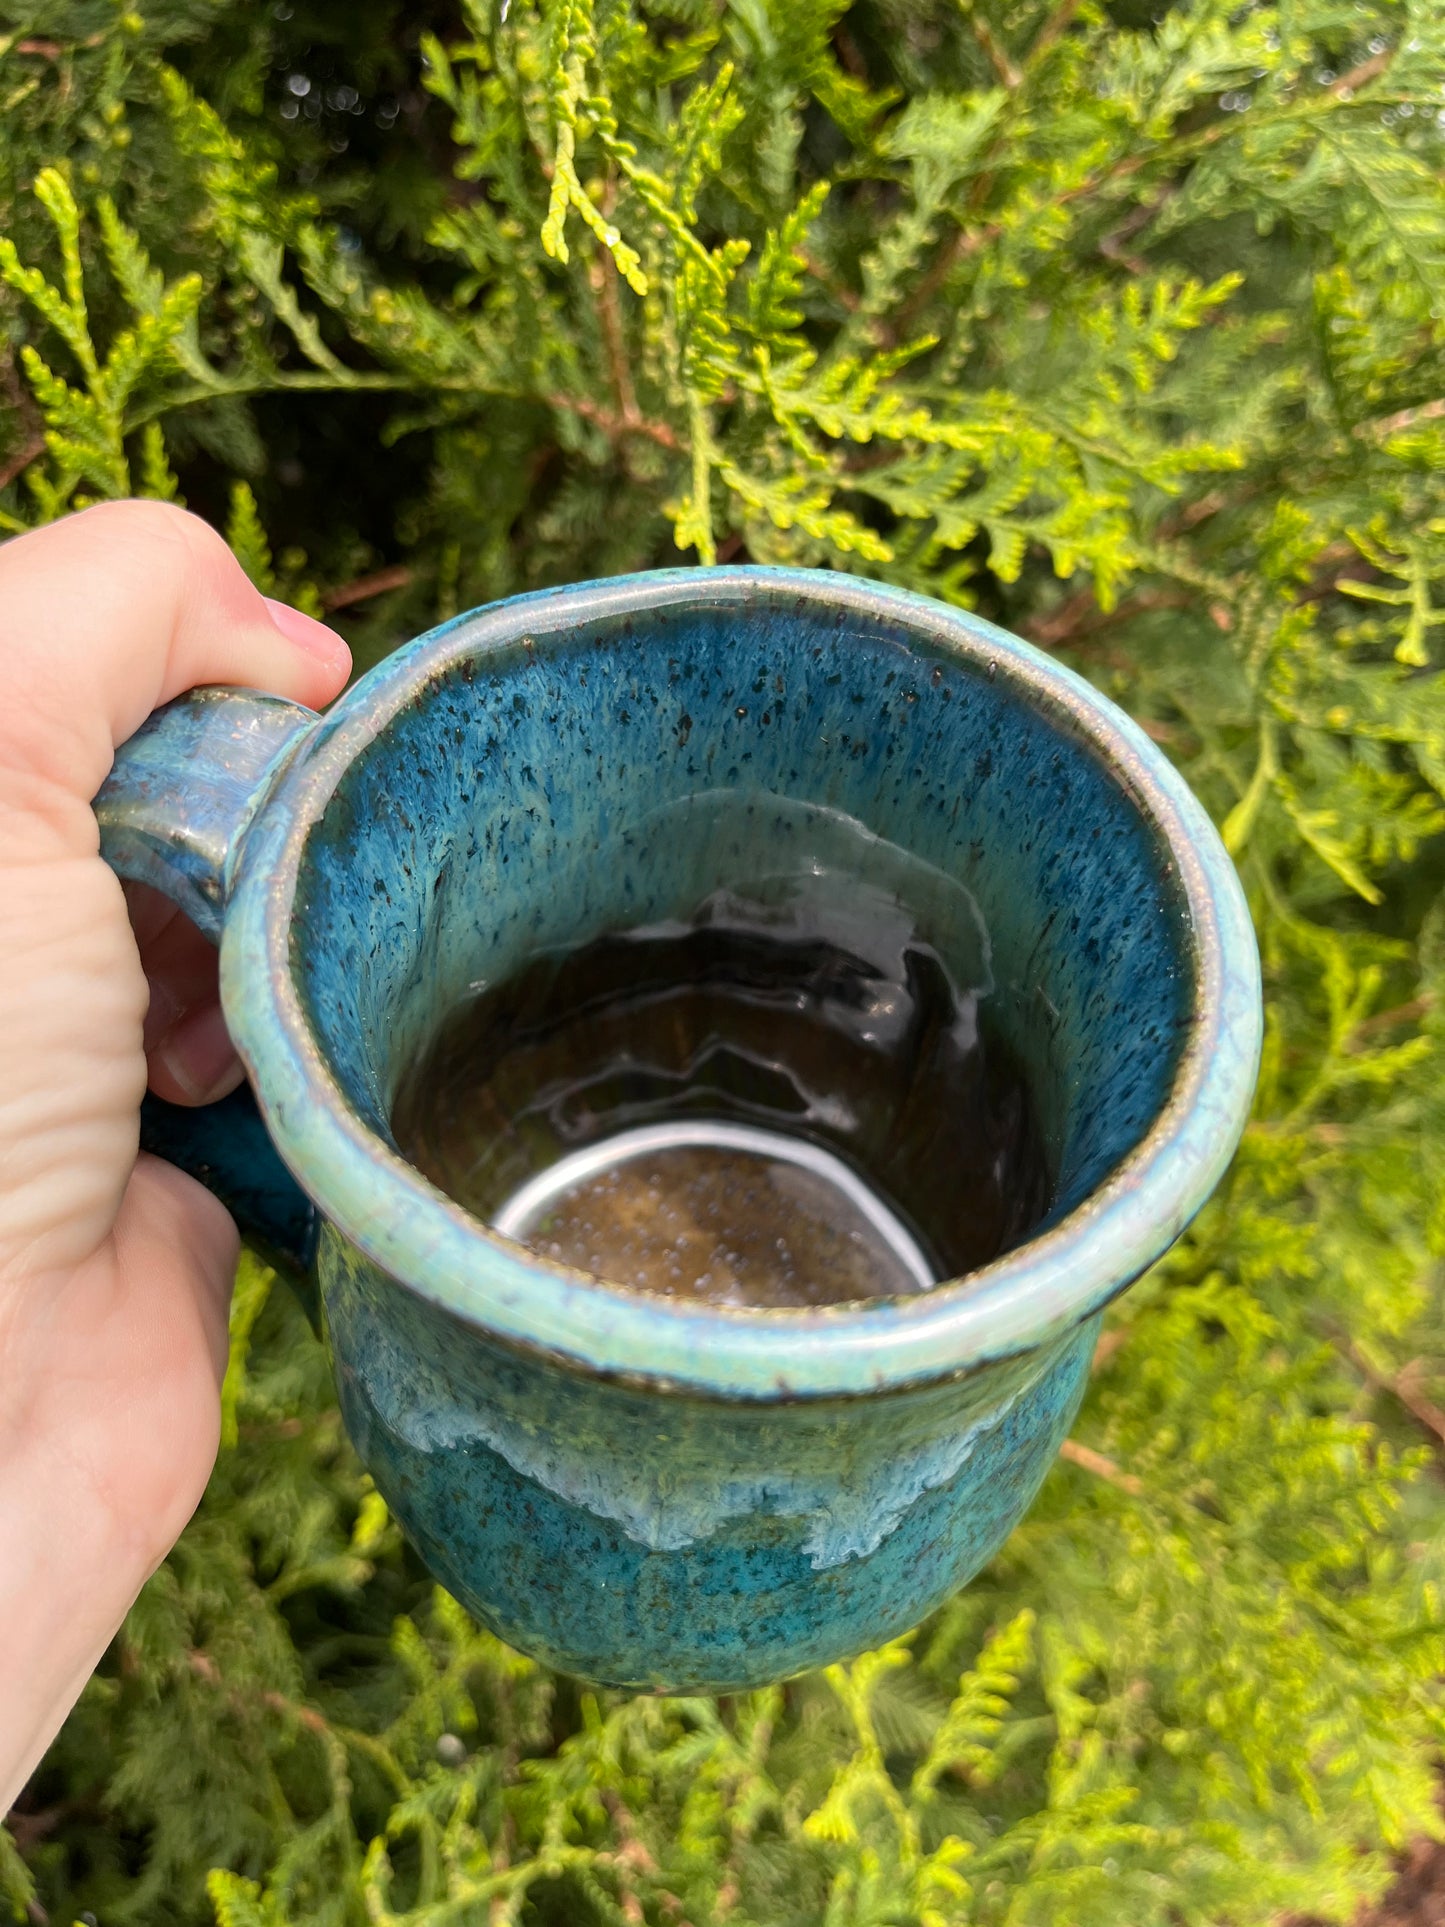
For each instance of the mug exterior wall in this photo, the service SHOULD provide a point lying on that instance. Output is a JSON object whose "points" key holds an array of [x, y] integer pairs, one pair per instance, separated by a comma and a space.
{"points": [[637, 1492], [654, 1538]]}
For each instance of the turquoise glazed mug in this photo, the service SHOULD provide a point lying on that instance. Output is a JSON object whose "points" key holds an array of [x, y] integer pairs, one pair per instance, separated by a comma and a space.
{"points": [[641, 1491]]}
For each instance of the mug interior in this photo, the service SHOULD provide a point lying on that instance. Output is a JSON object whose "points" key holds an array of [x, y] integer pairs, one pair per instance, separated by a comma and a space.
{"points": [[537, 790]]}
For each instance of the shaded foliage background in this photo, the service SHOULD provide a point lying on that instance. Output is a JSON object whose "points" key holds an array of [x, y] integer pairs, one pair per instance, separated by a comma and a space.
{"points": [[1124, 326]]}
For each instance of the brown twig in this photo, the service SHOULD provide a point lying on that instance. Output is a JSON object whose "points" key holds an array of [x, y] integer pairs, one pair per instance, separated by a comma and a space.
{"points": [[364, 587], [825, 278], [27, 1830], [1191, 514], [633, 1857], [849, 57], [1403, 1387], [1057, 24], [1112, 1341], [21, 459], [204, 1667], [45, 49], [967, 240], [611, 424], [1063, 623], [1088, 1460], [23, 402], [281, 1428], [730, 1891], [1406, 1388], [1003, 66], [863, 461], [1112, 246], [1322, 591], [1387, 1019], [962, 241], [1079, 615], [1113, 250], [1351, 83], [632, 1852], [603, 278], [1428, 411]]}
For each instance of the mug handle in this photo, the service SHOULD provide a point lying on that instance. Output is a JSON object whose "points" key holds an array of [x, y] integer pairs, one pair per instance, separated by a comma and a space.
{"points": [[173, 813]]}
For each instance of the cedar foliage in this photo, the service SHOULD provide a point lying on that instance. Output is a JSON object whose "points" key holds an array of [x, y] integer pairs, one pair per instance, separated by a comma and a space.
{"points": [[1128, 330]]}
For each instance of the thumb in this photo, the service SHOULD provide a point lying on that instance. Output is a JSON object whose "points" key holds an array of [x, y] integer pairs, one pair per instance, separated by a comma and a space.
{"points": [[103, 617], [108, 614]]}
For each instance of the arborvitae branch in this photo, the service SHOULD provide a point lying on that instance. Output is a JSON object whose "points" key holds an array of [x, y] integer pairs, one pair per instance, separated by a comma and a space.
{"points": [[936, 294]]}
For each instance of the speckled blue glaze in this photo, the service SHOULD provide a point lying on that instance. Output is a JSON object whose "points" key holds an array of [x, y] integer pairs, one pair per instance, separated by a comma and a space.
{"points": [[637, 1491], [173, 813]]}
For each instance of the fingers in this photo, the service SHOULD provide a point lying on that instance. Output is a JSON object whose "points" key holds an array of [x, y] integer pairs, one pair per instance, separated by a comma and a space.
{"points": [[109, 1420], [181, 965], [188, 1050], [196, 1062], [176, 1245], [104, 616], [114, 1272], [72, 1075]]}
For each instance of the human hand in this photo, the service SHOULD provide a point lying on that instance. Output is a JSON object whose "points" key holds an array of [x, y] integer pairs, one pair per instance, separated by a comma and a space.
{"points": [[115, 1270]]}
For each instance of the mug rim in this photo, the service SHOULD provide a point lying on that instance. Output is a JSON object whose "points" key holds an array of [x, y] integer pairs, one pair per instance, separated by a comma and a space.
{"points": [[432, 1247]]}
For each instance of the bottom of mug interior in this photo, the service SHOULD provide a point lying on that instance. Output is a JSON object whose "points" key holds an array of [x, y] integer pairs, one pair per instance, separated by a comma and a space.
{"points": [[901, 1257]]}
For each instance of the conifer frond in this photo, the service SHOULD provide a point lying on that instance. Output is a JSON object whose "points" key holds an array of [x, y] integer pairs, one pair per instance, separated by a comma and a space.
{"points": [[1129, 336]]}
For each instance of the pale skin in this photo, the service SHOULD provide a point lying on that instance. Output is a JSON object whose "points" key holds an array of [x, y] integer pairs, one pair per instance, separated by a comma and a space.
{"points": [[115, 1269]]}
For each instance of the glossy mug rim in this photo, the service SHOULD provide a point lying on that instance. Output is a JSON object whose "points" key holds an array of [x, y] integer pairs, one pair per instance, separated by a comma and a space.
{"points": [[433, 1248]]}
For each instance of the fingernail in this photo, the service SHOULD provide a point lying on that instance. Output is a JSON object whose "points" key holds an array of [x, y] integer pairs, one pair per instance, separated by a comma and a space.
{"points": [[161, 1013], [307, 633], [200, 1056]]}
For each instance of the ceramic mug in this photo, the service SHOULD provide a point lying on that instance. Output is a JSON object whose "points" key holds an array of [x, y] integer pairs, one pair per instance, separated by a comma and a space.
{"points": [[646, 1492]]}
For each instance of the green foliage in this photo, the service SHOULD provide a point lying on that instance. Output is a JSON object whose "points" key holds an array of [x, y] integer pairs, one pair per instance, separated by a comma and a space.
{"points": [[1129, 332]]}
